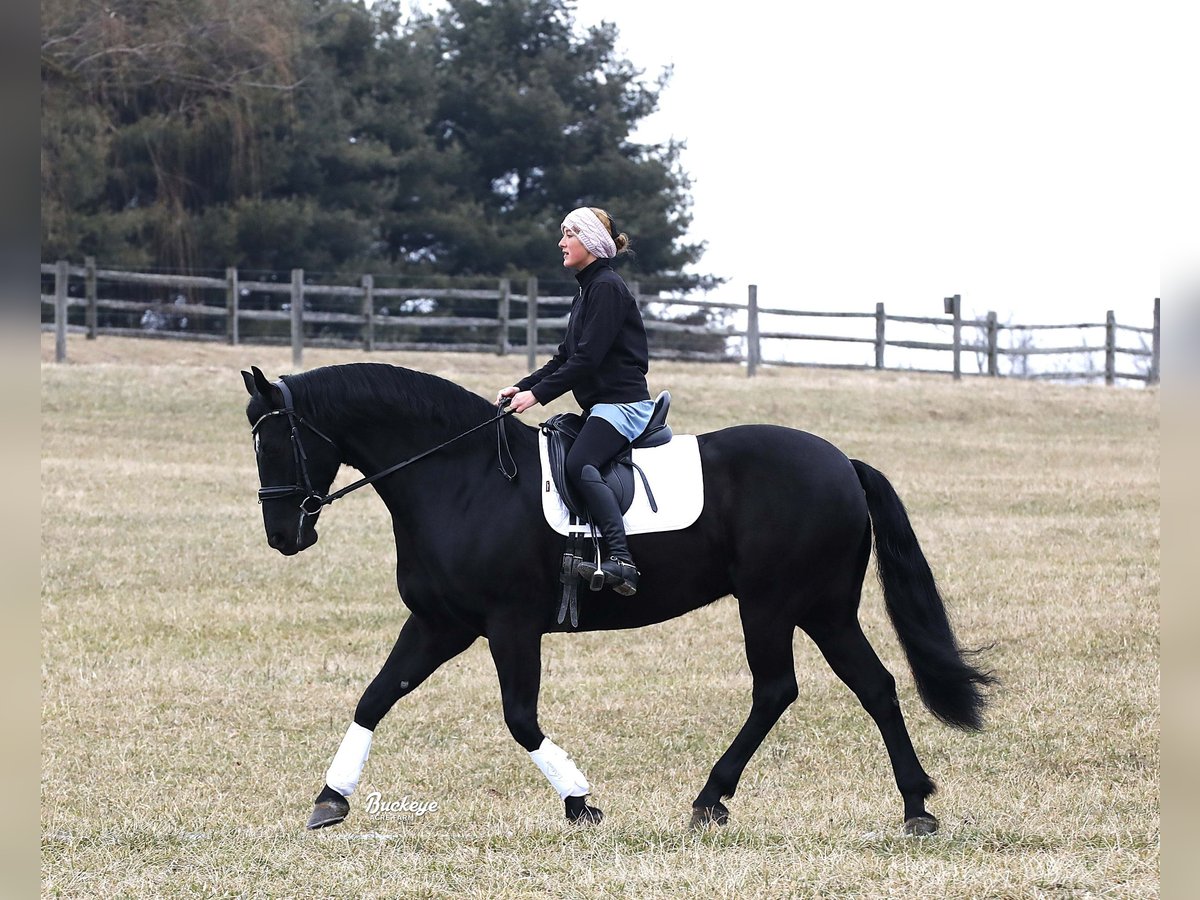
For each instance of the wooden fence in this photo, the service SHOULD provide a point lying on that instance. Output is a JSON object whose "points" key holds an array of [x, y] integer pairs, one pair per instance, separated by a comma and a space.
{"points": [[363, 313]]}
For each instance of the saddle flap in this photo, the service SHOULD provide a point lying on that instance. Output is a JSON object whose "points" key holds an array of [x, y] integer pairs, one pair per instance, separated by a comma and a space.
{"points": [[675, 472], [558, 434]]}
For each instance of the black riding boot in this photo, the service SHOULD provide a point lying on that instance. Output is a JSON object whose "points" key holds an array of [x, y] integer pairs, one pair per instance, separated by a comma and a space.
{"points": [[619, 571]]}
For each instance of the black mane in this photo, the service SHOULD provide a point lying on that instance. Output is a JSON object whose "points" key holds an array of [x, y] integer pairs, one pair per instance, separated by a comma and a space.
{"points": [[351, 394]]}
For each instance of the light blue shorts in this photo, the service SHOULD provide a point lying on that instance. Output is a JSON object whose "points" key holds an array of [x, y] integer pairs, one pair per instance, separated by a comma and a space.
{"points": [[630, 419]]}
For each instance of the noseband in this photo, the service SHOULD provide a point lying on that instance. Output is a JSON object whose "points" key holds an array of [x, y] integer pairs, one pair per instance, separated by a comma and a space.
{"points": [[314, 500]]}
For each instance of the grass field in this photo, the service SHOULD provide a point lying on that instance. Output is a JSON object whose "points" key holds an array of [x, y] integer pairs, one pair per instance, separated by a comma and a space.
{"points": [[195, 683]]}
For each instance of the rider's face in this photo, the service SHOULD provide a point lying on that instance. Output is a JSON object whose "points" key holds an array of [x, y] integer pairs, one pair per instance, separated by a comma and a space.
{"points": [[575, 255]]}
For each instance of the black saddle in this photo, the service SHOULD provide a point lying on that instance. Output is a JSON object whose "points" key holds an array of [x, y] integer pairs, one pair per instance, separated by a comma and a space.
{"points": [[561, 431]]}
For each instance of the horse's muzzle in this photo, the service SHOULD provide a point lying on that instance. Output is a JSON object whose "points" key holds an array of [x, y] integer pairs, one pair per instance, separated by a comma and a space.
{"points": [[288, 547]]}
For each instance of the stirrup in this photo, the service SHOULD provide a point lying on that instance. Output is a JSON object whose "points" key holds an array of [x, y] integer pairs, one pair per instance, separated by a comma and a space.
{"points": [[591, 573]]}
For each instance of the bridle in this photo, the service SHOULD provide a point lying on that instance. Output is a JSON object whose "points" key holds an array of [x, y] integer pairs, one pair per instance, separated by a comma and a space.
{"points": [[314, 500], [303, 485]]}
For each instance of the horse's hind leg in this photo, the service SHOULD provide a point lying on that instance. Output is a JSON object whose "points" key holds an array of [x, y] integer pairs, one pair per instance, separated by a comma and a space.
{"points": [[421, 647], [852, 658], [769, 655]]}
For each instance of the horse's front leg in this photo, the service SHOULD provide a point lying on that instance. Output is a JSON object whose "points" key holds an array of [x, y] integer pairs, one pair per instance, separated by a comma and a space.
{"points": [[517, 651], [422, 646]]}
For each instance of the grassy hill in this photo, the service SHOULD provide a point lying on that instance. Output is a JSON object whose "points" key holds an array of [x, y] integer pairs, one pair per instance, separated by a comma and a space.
{"points": [[195, 684]]}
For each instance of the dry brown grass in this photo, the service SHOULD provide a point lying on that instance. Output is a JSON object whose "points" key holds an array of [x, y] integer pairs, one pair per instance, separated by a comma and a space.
{"points": [[195, 684]]}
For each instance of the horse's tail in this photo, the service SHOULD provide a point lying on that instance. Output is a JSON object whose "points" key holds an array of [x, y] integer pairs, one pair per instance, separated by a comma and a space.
{"points": [[949, 685]]}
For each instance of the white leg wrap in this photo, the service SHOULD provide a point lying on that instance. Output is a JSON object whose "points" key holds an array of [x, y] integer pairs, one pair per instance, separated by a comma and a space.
{"points": [[558, 768], [348, 762]]}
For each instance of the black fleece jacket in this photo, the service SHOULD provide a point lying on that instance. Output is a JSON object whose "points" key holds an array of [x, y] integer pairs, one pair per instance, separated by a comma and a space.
{"points": [[604, 357]]}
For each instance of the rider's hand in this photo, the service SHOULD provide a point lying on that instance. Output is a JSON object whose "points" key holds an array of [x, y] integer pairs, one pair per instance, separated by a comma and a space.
{"points": [[523, 400], [506, 392]]}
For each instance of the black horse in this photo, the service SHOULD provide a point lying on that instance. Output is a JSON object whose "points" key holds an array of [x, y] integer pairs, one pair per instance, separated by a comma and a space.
{"points": [[786, 528]]}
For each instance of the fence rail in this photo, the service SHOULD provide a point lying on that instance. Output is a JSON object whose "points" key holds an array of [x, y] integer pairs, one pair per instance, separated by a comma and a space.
{"points": [[363, 316]]}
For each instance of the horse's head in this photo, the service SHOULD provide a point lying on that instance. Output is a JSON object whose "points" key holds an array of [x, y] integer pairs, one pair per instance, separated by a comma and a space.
{"points": [[296, 464]]}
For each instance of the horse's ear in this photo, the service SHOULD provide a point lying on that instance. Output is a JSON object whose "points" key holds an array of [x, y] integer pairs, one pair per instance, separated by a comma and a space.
{"points": [[269, 392], [251, 388]]}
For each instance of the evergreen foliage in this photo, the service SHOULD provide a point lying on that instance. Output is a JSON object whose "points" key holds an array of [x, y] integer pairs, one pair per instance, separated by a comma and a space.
{"points": [[322, 134]]}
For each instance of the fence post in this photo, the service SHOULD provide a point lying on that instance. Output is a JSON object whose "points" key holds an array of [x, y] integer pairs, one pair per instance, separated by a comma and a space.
{"points": [[992, 354], [61, 273], [89, 280], [752, 341], [880, 341], [1155, 339], [1110, 348], [297, 317], [953, 305], [503, 314], [368, 311], [232, 300], [531, 323]]}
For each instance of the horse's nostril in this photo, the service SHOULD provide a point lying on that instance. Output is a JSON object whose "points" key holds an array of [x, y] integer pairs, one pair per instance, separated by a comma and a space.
{"points": [[275, 540]]}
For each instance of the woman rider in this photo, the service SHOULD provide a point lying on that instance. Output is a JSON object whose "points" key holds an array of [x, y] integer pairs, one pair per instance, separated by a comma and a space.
{"points": [[603, 361]]}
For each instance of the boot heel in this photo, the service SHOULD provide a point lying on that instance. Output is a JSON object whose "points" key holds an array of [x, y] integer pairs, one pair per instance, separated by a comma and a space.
{"points": [[622, 575]]}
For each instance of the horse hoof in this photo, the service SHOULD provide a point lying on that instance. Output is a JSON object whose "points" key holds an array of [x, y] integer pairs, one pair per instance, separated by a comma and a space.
{"points": [[704, 816], [921, 826], [579, 813], [328, 812], [590, 815]]}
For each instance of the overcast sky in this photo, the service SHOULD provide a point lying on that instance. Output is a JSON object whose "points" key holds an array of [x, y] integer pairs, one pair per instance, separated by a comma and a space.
{"points": [[849, 153]]}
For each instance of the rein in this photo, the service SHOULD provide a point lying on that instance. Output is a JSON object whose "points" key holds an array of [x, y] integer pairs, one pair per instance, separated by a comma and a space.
{"points": [[311, 495]]}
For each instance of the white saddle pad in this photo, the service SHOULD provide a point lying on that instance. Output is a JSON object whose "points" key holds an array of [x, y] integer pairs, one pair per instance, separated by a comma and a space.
{"points": [[673, 471]]}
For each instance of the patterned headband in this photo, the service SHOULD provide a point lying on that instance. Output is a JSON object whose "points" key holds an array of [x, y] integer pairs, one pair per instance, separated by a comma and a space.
{"points": [[591, 232]]}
